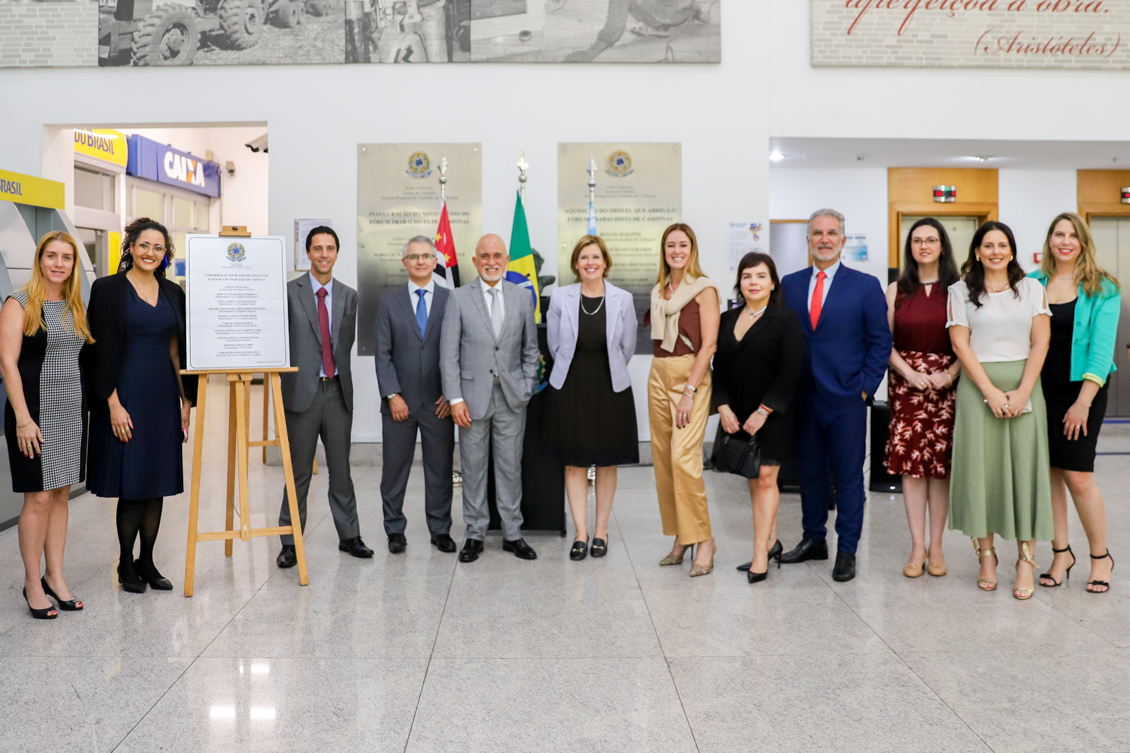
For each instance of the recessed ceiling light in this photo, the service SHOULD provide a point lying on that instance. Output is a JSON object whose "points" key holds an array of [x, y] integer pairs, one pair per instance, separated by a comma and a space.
{"points": [[981, 159], [776, 156]]}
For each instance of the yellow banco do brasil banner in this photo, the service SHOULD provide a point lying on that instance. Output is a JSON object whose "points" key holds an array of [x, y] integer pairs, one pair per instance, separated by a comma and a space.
{"points": [[25, 189], [108, 146]]}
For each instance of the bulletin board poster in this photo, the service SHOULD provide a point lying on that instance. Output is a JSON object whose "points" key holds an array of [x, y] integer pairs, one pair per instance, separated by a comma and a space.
{"points": [[237, 303], [639, 193], [398, 198]]}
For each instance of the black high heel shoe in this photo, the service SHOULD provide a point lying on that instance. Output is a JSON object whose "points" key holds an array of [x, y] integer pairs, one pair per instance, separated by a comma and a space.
{"points": [[1066, 575], [147, 571], [130, 580], [774, 554], [40, 614], [74, 605], [1101, 582], [579, 550]]}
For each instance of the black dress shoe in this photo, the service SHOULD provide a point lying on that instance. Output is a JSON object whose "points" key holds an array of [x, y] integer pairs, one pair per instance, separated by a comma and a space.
{"points": [[806, 550], [521, 549], [287, 557], [148, 572], [845, 567], [579, 550], [444, 543], [599, 547], [397, 543], [356, 547], [774, 554], [472, 548], [129, 578]]}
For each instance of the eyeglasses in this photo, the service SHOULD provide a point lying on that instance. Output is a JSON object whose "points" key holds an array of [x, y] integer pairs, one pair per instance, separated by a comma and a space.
{"points": [[144, 246], [419, 257], [923, 241]]}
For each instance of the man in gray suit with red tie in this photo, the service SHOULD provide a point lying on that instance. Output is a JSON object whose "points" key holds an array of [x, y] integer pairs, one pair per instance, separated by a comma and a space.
{"points": [[318, 398], [409, 323]]}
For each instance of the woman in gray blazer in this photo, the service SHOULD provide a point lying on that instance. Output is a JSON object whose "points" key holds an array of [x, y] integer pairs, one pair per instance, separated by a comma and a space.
{"points": [[591, 410]]}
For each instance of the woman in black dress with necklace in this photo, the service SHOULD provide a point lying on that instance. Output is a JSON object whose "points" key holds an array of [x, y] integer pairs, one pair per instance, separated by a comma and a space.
{"points": [[139, 402], [759, 360], [591, 413]]}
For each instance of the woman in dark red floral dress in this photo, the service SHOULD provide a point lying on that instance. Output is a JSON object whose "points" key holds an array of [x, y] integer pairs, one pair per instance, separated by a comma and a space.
{"points": [[922, 377]]}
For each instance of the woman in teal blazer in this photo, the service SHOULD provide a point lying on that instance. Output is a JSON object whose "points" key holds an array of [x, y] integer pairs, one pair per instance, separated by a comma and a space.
{"points": [[1085, 303]]}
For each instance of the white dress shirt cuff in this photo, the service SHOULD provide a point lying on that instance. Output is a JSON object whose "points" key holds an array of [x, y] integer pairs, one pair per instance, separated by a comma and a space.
{"points": [[456, 401]]}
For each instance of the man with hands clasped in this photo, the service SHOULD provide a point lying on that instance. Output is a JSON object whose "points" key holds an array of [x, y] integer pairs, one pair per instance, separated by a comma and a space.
{"points": [[409, 325]]}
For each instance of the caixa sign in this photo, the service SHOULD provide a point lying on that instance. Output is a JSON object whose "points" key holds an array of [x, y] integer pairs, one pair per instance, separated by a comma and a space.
{"points": [[153, 161]]}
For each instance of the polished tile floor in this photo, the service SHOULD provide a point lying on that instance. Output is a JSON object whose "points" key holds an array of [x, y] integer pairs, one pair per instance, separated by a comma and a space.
{"points": [[418, 653]]}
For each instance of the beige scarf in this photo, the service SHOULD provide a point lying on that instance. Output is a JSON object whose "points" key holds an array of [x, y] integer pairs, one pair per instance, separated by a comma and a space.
{"points": [[665, 312]]}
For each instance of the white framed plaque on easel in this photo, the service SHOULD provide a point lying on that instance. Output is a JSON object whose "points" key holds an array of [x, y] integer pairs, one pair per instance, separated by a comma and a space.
{"points": [[237, 310]]}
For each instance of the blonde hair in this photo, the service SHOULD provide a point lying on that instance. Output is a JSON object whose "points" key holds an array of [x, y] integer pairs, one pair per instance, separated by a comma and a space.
{"points": [[72, 290], [1088, 272], [692, 270], [582, 244]]}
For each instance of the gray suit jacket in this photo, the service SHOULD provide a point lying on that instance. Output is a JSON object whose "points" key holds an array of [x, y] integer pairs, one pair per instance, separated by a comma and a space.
{"points": [[406, 362], [472, 356], [299, 388]]}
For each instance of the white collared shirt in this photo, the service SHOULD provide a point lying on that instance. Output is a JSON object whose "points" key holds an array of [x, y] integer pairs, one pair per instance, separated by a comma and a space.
{"points": [[430, 289], [829, 273], [329, 286], [490, 299]]}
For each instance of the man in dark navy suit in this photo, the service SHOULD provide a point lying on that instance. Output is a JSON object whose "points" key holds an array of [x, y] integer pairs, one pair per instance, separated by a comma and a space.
{"points": [[844, 316]]}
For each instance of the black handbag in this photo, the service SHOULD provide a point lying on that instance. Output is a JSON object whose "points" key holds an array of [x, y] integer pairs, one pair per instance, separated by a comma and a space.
{"points": [[732, 454]]}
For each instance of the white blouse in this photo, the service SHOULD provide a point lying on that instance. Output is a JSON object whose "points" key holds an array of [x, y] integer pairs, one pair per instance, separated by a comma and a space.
{"points": [[1001, 329]]}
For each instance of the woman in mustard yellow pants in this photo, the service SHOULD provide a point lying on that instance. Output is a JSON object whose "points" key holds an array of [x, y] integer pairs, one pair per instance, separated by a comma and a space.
{"points": [[684, 319]]}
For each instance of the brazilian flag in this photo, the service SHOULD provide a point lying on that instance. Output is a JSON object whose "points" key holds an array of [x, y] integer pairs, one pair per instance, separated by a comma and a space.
{"points": [[521, 270]]}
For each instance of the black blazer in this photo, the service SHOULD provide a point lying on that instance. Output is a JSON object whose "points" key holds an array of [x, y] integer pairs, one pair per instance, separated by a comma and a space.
{"points": [[106, 315], [764, 367]]}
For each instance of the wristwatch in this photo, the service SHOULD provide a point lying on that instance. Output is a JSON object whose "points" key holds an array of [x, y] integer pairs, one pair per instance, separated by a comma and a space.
{"points": [[762, 411]]}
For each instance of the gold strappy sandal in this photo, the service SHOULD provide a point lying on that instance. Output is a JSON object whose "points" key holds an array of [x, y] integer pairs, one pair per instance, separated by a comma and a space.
{"points": [[986, 584], [1023, 594]]}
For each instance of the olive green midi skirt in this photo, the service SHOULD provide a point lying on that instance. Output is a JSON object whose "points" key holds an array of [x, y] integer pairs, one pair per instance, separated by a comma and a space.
{"points": [[1000, 482]]}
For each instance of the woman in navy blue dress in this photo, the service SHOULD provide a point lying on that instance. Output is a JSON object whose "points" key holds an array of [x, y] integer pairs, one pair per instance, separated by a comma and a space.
{"points": [[139, 403]]}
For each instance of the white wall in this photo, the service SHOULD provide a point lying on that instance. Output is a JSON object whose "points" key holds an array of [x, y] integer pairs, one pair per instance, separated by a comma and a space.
{"points": [[859, 194], [316, 115], [1030, 200]]}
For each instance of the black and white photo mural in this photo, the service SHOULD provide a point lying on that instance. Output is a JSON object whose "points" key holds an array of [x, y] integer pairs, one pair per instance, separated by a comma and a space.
{"points": [[311, 32]]}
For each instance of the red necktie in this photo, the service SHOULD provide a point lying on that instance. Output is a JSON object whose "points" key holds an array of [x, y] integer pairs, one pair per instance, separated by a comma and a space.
{"points": [[817, 299], [327, 345]]}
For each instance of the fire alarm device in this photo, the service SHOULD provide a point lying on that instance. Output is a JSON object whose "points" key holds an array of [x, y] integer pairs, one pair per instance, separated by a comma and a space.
{"points": [[945, 194], [1125, 191]]}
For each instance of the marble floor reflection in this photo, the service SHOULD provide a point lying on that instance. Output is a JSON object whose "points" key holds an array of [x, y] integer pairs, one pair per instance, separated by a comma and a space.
{"points": [[415, 652]]}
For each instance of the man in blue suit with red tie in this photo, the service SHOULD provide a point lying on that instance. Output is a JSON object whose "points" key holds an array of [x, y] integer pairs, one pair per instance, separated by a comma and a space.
{"points": [[844, 316]]}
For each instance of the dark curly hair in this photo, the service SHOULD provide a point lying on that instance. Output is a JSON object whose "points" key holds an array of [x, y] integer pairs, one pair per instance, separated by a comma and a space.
{"points": [[133, 232]]}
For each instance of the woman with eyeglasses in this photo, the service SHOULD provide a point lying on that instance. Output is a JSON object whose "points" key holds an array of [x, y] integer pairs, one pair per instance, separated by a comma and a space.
{"points": [[923, 373], [139, 402], [999, 326], [42, 331], [1085, 302]]}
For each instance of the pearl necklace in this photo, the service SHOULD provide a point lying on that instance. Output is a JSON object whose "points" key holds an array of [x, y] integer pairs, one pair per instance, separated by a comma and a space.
{"points": [[996, 290], [755, 314]]}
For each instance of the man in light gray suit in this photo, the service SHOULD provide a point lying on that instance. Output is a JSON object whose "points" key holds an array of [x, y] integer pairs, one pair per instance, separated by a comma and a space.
{"points": [[409, 323], [490, 360], [318, 398]]}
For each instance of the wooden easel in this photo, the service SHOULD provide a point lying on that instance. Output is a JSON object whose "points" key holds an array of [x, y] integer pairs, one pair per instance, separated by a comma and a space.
{"points": [[239, 442]]}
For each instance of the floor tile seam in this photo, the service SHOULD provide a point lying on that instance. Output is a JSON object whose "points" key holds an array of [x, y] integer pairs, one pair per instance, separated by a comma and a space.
{"points": [[655, 629], [431, 654], [1074, 621], [155, 703], [910, 669]]}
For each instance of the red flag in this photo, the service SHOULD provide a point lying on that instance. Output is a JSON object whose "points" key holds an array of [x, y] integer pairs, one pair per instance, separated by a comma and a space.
{"points": [[445, 245]]}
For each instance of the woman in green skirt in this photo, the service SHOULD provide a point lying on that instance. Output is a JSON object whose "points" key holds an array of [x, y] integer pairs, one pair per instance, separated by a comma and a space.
{"points": [[1000, 328]]}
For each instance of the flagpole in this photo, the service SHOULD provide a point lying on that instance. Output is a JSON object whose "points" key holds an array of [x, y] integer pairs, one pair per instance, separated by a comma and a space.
{"points": [[592, 196], [523, 166], [443, 179]]}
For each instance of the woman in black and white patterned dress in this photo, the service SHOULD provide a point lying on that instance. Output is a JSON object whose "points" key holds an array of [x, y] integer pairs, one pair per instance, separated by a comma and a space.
{"points": [[42, 330]]}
